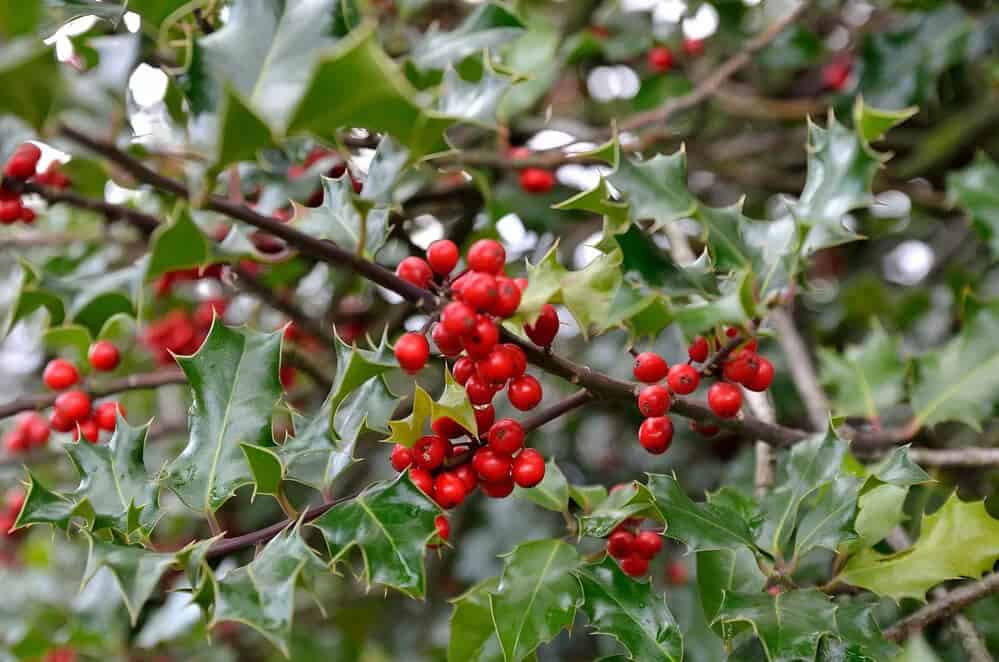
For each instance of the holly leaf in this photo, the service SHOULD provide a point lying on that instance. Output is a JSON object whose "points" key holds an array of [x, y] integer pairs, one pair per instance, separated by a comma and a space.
{"points": [[828, 515], [537, 596], [473, 100], [656, 189], [386, 169], [620, 607], [29, 80], [473, 634], [491, 25], [343, 219], [179, 244], [976, 188], [960, 381], [234, 380], [632, 500], [721, 571], [700, 526], [453, 404], [867, 378], [789, 625], [861, 634], [587, 497], [390, 523], [958, 540], [551, 493], [137, 571]]}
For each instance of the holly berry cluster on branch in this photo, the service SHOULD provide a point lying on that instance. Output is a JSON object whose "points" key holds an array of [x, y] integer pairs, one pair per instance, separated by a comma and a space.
{"points": [[634, 547], [23, 166], [452, 462], [660, 58]]}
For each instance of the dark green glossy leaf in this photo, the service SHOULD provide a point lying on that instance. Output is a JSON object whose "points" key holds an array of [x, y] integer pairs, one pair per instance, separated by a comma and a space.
{"points": [[489, 26], [473, 101], [726, 570], [656, 189], [342, 219], [587, 497], [700, 526], [265, 467], [29, 80], [789, 625], [865, 379], [136, 570], [630, 501], [177, 245], [828, 515], [976, 188], [551, 493], [861, 633], [473, 634], [387, 167]]}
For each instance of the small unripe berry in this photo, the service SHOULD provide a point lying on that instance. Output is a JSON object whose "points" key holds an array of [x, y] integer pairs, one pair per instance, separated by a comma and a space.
{"points": [[528, 468], [656, 434], [524, 392], [442, 256], [634, 566], [683, 379], [60, 374], [429, 451], [763, 378], [648, 544], [412, 351], [506, 436], [415, 271], [660, 59], [103, 356], [401, 458], [486, 255], [545, 328], [654, 400], [650, 367], [73, 405], [619, 544], [724, 399], [536, 180]]}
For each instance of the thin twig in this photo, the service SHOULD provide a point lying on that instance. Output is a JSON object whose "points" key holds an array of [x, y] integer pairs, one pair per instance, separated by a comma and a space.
{"points": [[764, 461], [799, 363], [945, 607]]}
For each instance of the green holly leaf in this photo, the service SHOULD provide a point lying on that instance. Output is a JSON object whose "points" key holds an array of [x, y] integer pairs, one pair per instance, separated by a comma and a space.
{"points": [[44, 506], [587, 497], [789, 625], [551, 493], [491, 25], [736, 305], [867, 378], [179, 244], [861, 634], [620, 607], [721, 571], [344, 219], [976, 188], [266, 468], [656, 189], [29, 80], [262, 593], [386, 169], [828, 515], [633, 500], [473, 634], [700, 526], [391, 524], [70, 341], [958, 540], [137, 571], [234, 379], [960, 381], [537, 596], [240, 134], [897, 468], [453, 404], [473, 100]]}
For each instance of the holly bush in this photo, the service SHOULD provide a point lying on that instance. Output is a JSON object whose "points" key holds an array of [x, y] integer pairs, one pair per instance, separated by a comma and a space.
{"points": [[438, 330]]}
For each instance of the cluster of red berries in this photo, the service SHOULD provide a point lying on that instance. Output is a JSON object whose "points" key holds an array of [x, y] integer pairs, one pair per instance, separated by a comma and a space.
{"points": [[634, 547], [23, 165], [9, 510], [30, 431], [451, 462], [743, 366], [532, 180], [181, 331], [660, 58]]}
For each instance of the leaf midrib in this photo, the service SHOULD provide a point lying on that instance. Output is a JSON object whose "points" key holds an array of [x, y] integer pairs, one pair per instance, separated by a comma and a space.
{"points": [[954, 387], [534, 596], [223, 427]]}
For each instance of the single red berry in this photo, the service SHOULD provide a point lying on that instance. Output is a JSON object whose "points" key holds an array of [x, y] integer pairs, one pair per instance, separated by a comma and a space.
{"points": [[415, 271], [443, 527], [73, 405], [693, 47], [422, 479], [447, 427], [15, 441], [507, 297], [10, 211], [106, 415], [448, 344], [497, 368], [528, 468], [486, 255], [517, 357], [479, 291], [506, 436], [449, 491], [36, 429], [458, 318], [619, 544], [484, 418], [654, 400], [412, 351], [634, 566], [491, 466], [89, 430], [706, 430], [479, 392], [836, 74], [660, 59], [741, 368], [521, 283], [429, 451], [676, 573], [536, 180], [650, 367], [683, 378], [482, 339], [442, 256], [468, 476], [545, 328], [656, 434], [402, 457], [103, 356], [23, 162], [497, 489], [724, 399], [763, 378], [463, 369], [60, 374], [60, 423], [459, 283], [648, 544], [524, 392]]}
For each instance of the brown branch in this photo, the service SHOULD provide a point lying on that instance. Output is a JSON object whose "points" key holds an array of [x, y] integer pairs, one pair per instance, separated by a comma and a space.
{"points": [[146, 223], [945, 607], [560, 408]]}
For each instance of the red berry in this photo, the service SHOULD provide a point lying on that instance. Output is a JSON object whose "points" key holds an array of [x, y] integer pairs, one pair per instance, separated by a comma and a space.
{"points": [[497, 368], [506, 436], [545, 328], [693, 47], [415, 271], [724, 399], [528, 468], [479, 392], [73, 405], [459, 283], [487, 255], [89, 430], [429, 451], [498, 489], [648, 544], [517, 357], [619, 544], [60, 374], [491, 466], [106, 415], [741, 368], [481, 340], [683, 379], [447, 428], [103, 356], [521, 283], [524, 392], [763, 378], [449, 490], [442, 256], [10, 211], [15, 441], [468, 476], [463, 369], [654, 400], [650, 367], [27, 215], [660, 59], [23, 162], [35, 428], [634, 566], [448, 344], [676, 573], [507, 297], [60, 423], [656, 434], [479, 291], [422, 479], [519, 152], [412, 351], [706, 430], [402, 457], [484, 417], [458, 318], [836, 74], [536, 180], [443, 527]]}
